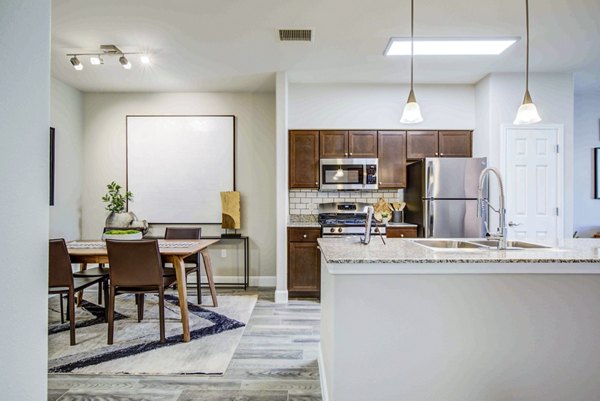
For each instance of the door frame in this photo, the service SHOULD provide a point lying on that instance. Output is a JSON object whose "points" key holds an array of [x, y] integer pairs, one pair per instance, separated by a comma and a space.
{"points": [[560, 198]]}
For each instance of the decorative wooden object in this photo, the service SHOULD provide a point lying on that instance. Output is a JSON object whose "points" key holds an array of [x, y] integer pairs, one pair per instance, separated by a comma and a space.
{"points": [[230, 206]]}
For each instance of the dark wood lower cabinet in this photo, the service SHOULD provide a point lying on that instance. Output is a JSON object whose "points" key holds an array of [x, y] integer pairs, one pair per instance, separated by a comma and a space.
{"points": [[401, 232], [304, 262]]}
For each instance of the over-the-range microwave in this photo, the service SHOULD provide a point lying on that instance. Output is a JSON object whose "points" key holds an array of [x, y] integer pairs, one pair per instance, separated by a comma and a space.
{"points": [[348, 174]]}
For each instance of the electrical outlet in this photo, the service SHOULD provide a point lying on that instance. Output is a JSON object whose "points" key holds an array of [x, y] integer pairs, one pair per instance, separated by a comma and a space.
{"points": [[223, 253]]}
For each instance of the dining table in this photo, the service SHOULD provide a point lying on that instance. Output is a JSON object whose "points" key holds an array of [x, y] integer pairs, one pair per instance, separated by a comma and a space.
{"points": [[172, 251]]}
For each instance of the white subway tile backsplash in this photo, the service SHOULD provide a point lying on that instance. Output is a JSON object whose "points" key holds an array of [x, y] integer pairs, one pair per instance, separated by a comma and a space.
{"points": [[306, 201]]}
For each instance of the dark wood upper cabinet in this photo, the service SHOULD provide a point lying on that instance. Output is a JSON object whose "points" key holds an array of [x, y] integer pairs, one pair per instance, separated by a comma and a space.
{"points": [[362, 144], [341, 144], [392, 159], [455, 143], [304, 159], [421, 144], [333, 144]]}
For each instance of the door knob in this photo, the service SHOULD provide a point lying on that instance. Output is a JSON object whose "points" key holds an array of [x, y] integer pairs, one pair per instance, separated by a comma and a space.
{"points": [[511, 224], [304, 236]]}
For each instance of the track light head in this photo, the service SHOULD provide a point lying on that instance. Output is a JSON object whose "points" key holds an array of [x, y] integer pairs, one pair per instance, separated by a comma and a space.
{"points": [[124, 62], [76, 63], [96, 60]]}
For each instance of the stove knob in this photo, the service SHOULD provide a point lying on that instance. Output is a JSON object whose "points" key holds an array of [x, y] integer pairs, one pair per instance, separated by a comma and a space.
{"points": [[332, 230], [340, 230]]}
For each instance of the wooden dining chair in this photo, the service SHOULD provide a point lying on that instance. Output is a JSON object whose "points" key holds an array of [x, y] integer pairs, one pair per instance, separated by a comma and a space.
{"points": [[61, 280], [184, 233], [136, 267]]}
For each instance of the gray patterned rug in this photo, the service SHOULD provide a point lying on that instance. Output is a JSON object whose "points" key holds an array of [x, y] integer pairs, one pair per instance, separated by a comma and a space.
{"points": [[215, 334]]}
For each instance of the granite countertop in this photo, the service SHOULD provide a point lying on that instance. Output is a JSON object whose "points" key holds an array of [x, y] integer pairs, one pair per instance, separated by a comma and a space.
{"points": [[304, 224], [403, 251]]}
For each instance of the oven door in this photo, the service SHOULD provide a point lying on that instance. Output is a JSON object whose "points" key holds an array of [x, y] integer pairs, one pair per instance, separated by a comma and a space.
{"points": [[343, 174]]}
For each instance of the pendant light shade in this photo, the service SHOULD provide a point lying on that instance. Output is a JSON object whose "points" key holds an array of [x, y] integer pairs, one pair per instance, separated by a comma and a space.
{"points": [[412, 111], [527, 113]]}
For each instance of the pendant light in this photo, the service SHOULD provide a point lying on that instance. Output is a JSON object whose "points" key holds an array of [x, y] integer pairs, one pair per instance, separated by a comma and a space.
{"points": [[527, 113], [412, 111]]}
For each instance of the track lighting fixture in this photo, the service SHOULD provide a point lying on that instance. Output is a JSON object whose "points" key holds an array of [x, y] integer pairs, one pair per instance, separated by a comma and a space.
{"points": [[76, 63], [96, 58]]}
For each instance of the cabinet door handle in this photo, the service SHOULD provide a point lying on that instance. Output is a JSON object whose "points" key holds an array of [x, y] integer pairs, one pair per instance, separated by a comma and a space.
{"points": [[436, 153], [350, 154], [380, 183], [345, 154], [441, 154], [316, 182], [305, 236], [401, 235], [318, 247]]}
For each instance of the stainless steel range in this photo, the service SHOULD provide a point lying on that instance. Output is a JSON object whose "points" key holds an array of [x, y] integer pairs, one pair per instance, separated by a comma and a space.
{"points": [[339, 219]]}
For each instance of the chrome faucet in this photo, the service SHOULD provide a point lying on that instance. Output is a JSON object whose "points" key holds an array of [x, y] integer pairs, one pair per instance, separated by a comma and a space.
{"points": [[500, 235]]}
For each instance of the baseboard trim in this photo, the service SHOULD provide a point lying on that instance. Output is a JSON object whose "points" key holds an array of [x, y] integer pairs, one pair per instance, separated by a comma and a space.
{"points": [[281, 296], [255, 281], [323, 379]]}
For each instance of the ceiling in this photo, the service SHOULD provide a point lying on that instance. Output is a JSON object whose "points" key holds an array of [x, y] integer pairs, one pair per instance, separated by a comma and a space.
{"points": [[232, 45]]}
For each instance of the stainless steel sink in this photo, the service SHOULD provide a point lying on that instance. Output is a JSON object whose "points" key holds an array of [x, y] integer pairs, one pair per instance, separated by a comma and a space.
{"points": [[510, 244], [482, 245], [448, 244]]}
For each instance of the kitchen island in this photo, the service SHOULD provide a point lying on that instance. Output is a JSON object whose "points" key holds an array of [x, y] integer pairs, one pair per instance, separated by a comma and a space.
{"points": [[404, 322]]}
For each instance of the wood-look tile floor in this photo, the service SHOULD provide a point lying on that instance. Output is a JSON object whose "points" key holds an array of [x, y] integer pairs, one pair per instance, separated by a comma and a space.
{"points": [[276, 360]]}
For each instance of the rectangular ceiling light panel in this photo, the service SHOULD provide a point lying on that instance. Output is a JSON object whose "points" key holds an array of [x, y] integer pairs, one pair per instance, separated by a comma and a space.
{"points": [[449, 46]]}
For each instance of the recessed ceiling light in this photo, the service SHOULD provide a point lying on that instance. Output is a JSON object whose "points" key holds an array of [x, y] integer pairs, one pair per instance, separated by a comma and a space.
{"points": [[145, 59], [449, 46]]}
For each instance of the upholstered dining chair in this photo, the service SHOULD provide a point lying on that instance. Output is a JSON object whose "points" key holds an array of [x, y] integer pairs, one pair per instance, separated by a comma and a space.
{"points": [[136, 267], [61, 280], [184, 233]]}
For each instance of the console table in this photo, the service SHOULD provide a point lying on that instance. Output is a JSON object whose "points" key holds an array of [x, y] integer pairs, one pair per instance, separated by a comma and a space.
{"points": [[246, 282], [246, 241]]}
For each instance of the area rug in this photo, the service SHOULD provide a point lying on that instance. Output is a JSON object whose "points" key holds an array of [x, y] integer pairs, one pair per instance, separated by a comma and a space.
{"points": [[215, 334]]}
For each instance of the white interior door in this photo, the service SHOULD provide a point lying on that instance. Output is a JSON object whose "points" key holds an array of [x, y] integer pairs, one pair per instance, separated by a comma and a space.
{"points": [[533, 183]]}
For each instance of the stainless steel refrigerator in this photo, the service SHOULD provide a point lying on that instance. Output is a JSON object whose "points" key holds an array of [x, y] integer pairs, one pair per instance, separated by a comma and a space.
{"points": [[441, 197]]}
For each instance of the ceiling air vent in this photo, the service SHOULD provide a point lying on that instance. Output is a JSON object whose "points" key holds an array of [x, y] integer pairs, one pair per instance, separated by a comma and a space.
{"points": [[295, 35]]}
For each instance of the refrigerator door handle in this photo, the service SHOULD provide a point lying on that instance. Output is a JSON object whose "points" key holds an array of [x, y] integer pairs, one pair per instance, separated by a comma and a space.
{"points": [[430, 218], [429, 175]]}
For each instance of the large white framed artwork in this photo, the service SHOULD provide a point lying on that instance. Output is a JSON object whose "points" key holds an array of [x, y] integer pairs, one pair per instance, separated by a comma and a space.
{"points": [[177, 166]]}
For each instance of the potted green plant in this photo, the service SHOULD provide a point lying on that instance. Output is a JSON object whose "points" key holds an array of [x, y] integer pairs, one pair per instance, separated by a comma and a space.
{"points": [[116, 203]]}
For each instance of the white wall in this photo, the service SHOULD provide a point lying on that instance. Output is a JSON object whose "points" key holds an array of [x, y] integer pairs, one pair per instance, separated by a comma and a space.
{"points": [[499, 95], [104, 161], [587, 136], [66, 116], [24, 126], [368, 106]]}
